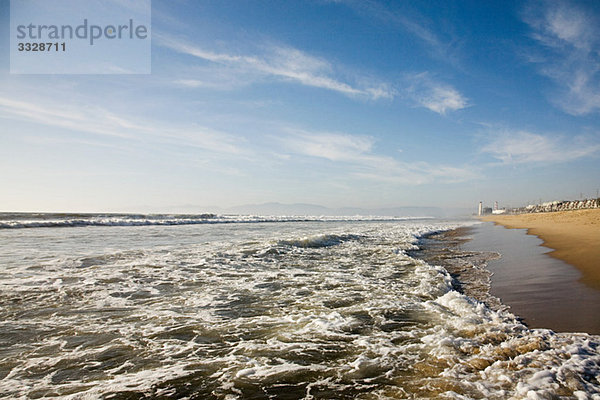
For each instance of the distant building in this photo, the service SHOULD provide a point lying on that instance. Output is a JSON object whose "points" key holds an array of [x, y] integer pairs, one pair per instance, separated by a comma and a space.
{"points": [[483, 210]]}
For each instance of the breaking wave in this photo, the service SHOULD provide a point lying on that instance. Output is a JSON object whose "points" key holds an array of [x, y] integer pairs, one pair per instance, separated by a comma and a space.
{"points": [[24, 220]]}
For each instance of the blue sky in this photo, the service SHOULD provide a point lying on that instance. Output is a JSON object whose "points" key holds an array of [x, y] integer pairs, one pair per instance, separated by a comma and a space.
{"points": [[338, 103]]}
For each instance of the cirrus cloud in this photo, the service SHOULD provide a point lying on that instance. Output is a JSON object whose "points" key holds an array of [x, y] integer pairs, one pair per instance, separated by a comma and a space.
{"points": [[523, 147], [285, 63], [570, 55], [357, 155], [433, 95]]}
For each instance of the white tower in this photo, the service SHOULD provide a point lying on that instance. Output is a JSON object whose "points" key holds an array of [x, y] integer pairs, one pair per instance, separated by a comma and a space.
{"points": [[480, 213]]}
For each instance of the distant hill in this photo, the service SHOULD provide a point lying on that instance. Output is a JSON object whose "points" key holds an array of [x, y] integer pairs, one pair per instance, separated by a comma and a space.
{"points": [[303, 209], [313, 209], [278, 209]]}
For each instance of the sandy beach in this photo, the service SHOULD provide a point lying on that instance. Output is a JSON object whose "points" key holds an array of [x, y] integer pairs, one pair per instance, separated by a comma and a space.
{"points": [[574, 237]]}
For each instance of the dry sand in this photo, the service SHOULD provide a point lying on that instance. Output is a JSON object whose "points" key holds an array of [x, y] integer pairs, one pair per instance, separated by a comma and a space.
{"points": [[574, 236]]}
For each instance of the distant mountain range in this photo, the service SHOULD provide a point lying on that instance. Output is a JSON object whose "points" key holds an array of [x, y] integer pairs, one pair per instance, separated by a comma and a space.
{"points": [[316, 210]]}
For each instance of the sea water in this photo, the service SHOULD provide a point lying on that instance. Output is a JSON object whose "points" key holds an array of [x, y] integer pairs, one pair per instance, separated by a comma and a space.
{"points": [[227, 307]]}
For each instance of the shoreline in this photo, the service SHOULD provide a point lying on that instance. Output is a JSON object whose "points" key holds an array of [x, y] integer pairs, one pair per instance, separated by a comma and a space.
{"points": [[508, 270], [573, 236], [468, 268]]}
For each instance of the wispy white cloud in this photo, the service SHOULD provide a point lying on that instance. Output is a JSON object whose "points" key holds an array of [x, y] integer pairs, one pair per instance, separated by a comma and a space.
{"points": [[99, 121], [193, 83], [88, 119], [410, 21], [284, 63], [435, 96], [525, 147], [332, 146], [571, 52], [359, 159], [443, 98], [559, 23], [289, 64]]}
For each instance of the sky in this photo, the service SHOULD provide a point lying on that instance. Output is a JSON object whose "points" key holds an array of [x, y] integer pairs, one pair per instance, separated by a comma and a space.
{"points": [[341, 103]]}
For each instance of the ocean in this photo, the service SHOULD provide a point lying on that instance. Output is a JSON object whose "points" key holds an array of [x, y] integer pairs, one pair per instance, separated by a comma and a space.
{"points": [[122, 306]]}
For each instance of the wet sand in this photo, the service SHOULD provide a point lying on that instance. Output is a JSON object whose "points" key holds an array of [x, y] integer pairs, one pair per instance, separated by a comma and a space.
{"points": [[545, 292], [574, 237], [468, 268]]}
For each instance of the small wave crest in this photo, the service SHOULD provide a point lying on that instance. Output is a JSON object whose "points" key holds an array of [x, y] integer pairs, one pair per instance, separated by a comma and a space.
{"points": [[319, 241]]}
